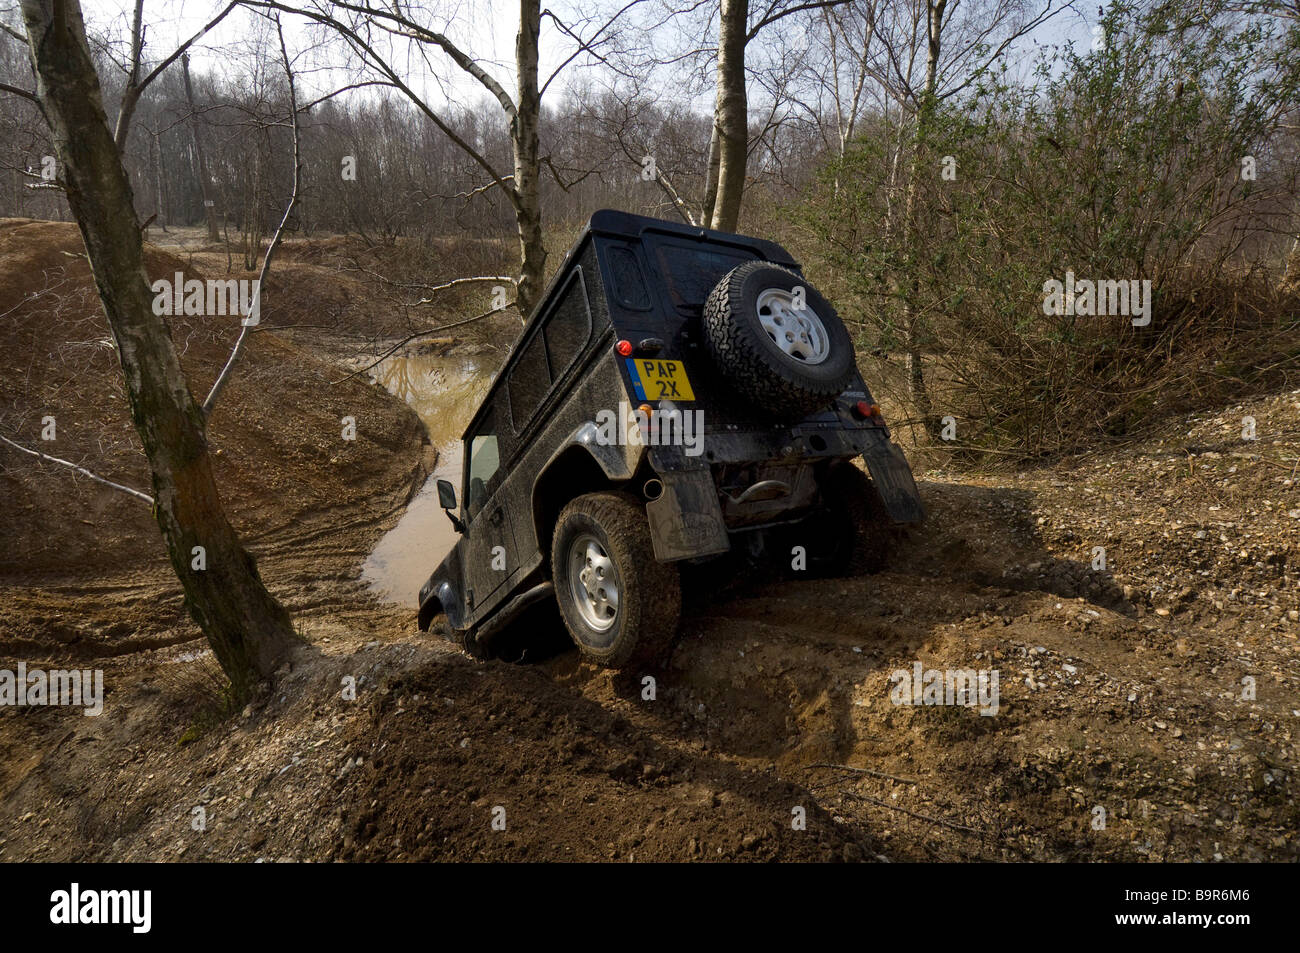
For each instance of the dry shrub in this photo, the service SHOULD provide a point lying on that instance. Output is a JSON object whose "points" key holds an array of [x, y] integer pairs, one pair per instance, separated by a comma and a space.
{"points": [[1062, 383], [1119, 164]]}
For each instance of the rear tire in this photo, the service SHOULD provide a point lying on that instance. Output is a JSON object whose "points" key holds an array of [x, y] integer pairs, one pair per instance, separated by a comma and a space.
{"points": [[620, 605], [850, 533]]}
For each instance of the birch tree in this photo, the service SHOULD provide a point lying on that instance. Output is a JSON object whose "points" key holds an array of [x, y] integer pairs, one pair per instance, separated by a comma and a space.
{"points": [[729, 142], [368, 29], [957, 43], [249, 631]]}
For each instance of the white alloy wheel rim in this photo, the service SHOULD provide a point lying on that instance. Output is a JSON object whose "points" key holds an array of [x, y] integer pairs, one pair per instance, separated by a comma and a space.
{"points": [[593, 582], [799, 333]]}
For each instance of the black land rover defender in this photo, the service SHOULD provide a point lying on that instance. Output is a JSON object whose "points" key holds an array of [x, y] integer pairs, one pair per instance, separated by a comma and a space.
{"points": [[677, 393]]}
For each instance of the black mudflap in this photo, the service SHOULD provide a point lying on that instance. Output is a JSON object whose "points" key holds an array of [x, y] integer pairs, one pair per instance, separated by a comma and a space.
{"points": [[893, 478], [686, 521]]}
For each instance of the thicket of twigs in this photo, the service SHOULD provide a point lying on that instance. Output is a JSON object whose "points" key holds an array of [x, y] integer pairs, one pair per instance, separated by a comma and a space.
{"points": [[1165, 156]]}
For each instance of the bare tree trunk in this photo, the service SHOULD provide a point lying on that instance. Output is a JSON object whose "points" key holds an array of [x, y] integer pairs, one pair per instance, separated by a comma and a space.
{"points": [[918, 391], [731, 115], [248, 629], [523, 136], [159, 199], [711, 182], [205, 184], [251, 232], [131, 92]]}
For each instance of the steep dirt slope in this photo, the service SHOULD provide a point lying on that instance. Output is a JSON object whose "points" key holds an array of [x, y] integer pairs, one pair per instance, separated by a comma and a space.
{"points": [[74, 549], [1146, 710]]}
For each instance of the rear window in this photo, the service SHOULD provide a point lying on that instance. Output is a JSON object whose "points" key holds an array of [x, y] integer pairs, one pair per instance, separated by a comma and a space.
{"points": [[691, 271], [629, 285]]}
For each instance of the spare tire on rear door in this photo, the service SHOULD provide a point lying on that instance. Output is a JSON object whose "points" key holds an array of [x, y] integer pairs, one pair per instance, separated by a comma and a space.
{"points": [[777, 340]]}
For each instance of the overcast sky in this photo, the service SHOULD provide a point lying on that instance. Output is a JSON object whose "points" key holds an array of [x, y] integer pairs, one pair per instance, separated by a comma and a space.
{"points": [[484, 28]]}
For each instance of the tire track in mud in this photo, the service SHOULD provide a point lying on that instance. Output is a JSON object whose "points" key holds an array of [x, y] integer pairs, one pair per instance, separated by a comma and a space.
{"points": [[1106, 702]]}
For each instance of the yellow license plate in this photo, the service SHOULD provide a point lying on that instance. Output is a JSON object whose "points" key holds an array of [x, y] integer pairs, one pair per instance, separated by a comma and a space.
{"points": [[660, 380]]}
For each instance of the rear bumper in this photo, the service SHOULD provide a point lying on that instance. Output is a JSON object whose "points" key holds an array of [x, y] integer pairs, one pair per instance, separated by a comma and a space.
{"points": [[690, 519]]}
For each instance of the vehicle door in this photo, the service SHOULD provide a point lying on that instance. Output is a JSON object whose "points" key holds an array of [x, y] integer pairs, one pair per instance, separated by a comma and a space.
{"points": [[489, 549]]}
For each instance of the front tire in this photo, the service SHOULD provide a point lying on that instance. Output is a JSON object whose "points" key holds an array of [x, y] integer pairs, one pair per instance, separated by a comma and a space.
{"points": [[620, 605]]}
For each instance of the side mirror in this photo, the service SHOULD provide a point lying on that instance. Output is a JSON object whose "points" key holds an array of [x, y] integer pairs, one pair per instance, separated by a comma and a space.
{"points": [[446, 495], [447, 500]]}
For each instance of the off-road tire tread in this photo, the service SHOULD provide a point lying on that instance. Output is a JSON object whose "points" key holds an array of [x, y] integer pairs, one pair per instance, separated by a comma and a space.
{"points": [[651, 597], [746, 363]]}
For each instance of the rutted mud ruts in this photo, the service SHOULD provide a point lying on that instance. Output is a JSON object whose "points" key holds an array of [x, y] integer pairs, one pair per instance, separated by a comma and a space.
{"points": [[1122, 689]]}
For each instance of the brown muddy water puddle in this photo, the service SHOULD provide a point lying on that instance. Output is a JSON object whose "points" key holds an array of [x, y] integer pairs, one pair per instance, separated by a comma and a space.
{"points": [[444, 390]]}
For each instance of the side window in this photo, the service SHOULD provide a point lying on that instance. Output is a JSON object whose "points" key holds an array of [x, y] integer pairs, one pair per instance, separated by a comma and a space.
{"points": [[629, 286], [568, 328], [484, 464], [529, 382], [549, 353]]}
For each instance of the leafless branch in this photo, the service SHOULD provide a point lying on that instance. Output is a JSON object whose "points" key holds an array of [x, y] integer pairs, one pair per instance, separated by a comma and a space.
{"points": [[421, 334], [23, 93], [220, 383], [82, 470]]}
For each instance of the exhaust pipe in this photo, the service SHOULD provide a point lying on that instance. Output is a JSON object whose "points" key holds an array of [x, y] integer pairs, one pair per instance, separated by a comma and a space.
{"points": [[653, 489]]}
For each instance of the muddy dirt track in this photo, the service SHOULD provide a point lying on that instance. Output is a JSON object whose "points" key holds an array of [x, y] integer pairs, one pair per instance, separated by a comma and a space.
{"points": [[1126, 727]]}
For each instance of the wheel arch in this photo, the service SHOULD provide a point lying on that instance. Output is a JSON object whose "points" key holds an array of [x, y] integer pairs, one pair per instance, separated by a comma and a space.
{"points": [[582, 465], [443, 600]]}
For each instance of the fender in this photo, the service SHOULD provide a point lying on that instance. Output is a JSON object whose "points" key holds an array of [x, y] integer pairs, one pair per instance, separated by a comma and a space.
{"points": [[443, 593], [616, 464]]}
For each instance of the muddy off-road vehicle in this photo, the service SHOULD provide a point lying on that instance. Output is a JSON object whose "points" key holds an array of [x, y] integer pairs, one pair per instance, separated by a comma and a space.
{"points": [[678, 393]]}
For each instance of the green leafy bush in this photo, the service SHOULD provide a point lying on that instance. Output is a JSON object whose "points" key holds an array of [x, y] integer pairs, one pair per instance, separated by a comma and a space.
{"points": [[1161, 157]]}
